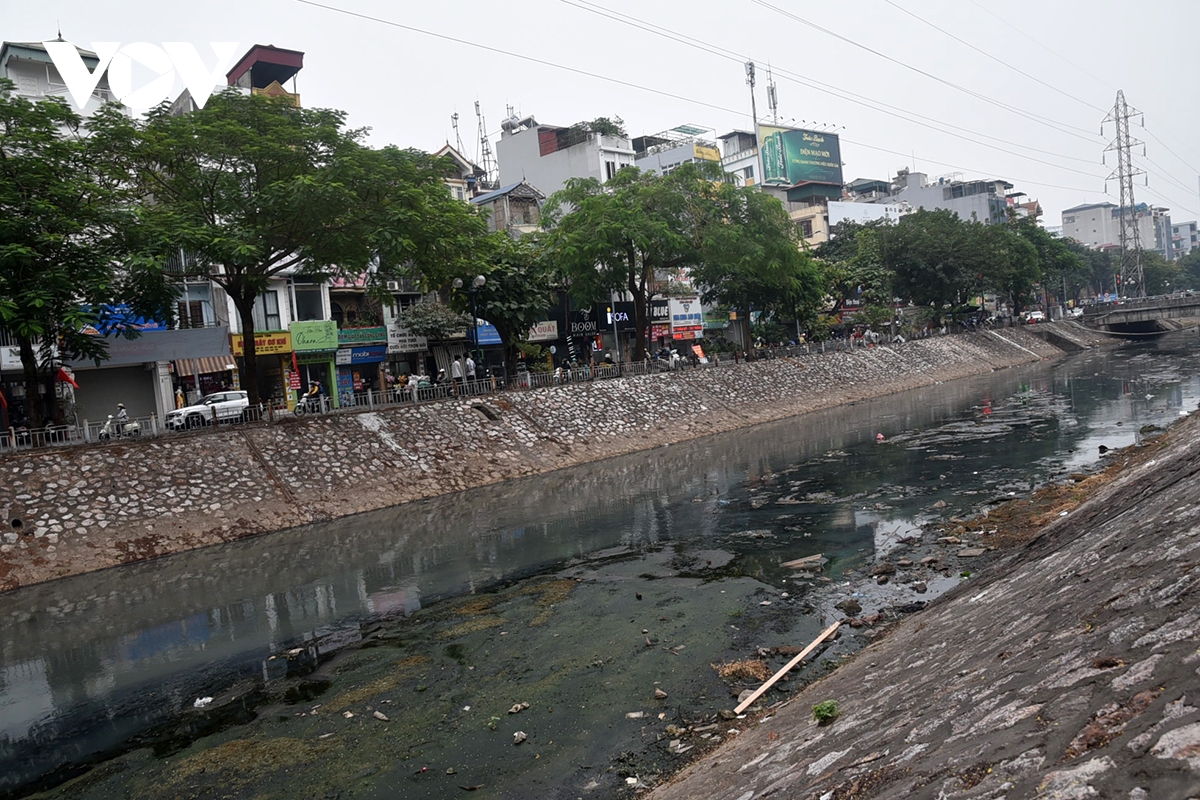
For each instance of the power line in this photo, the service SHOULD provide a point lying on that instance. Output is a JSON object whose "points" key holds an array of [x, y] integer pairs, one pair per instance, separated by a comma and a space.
{"points": [[511, 54], [1150, 133], [961, 168], [988, 11], [627, 84], [843, 94], [1061, 127], [1000, 61]]}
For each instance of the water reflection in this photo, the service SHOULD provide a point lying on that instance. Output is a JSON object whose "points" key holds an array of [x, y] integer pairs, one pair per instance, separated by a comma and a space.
{"points": [[90, 662]]}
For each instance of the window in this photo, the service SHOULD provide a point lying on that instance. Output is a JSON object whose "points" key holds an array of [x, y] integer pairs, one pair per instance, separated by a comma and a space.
{"points": [[266, 312], [610, 170], [191, 314], [806, 229], [1068, 220], [748, 173], [308, 302]]}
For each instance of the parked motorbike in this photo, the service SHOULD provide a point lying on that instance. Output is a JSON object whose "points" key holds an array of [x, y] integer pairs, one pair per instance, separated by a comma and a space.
{"points": [[110, 431]]}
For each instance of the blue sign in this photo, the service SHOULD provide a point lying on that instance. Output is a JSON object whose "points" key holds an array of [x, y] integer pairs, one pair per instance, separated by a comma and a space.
{"points": [[113, 319], [487, 334], [361, 355]]}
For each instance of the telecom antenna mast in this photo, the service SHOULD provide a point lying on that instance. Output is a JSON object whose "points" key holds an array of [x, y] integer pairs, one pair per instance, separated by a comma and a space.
{"points": [[772, 98], [457, 135], [1131, 239], [485, 150]]}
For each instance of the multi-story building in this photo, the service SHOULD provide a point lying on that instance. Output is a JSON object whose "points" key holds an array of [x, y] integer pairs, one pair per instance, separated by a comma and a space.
{"points": [[986, 201], [1098, 226], [667, 151], [546, 156], [29, 66], [515, 209], [1184, 238]]}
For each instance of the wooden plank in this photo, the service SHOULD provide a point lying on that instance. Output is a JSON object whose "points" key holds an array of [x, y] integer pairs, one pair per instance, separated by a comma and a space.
{"points": [[804, 562], [825, 634]]}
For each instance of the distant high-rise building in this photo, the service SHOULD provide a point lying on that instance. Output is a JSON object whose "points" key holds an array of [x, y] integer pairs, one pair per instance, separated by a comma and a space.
{"points": [[546, 156], [1098, 225]]}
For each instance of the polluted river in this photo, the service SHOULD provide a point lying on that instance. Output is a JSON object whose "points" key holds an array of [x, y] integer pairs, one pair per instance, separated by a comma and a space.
{"points": [[579, 634]]}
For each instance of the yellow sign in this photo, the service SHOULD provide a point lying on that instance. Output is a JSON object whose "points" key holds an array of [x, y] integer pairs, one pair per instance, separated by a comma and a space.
{"points": [[265, 344], [707, 153]]}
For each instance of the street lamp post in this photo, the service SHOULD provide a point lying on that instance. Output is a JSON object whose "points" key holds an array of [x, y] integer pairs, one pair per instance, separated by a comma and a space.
{"points": [[477, 283]]}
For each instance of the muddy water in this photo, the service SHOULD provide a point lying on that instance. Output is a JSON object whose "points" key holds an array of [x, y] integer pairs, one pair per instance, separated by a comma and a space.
{"points": [[580, 593]]}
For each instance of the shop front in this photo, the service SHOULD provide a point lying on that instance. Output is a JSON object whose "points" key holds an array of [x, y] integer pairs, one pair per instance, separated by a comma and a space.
{"points": [[272, 358], [315, 344], [405, 350], [360, 358]]}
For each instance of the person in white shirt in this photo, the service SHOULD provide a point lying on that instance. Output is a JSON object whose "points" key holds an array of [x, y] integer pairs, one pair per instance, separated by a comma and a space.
{"points": [[456, 374]]}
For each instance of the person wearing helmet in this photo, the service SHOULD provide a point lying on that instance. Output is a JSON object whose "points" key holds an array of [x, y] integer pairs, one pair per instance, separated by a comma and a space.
{"points": [[122, 418]]}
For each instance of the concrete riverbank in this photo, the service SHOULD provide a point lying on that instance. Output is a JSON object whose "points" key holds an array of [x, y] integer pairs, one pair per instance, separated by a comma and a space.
{"points": [[1067, 670], [74, 510]]}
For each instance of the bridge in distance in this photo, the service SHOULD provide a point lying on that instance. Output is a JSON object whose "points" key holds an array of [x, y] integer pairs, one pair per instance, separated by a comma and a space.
{"points": [[1145, 316]]}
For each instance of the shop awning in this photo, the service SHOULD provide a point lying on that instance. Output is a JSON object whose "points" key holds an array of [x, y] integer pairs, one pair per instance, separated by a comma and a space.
{"points": [[206, 365]]}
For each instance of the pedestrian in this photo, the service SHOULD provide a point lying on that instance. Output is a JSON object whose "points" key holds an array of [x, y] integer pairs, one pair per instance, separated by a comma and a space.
{"points": [[122, 419], [470, 368], [178, 397], [456, 374]]}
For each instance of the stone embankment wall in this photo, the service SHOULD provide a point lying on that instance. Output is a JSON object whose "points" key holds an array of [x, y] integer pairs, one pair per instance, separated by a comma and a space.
{"points": [[74, 510]]}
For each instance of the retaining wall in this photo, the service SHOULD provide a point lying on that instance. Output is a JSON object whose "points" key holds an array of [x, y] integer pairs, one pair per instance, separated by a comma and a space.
{"points": [[72, 510]]}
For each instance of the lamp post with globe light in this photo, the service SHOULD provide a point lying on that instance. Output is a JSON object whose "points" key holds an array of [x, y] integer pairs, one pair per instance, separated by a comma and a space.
{"points": [[477, 283]]}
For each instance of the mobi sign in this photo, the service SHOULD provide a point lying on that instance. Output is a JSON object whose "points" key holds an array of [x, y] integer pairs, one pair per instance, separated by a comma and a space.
{"points": [[163, 62]]}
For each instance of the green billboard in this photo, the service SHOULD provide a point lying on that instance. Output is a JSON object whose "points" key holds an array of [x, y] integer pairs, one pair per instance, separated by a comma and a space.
{"points": [[791, 156]]}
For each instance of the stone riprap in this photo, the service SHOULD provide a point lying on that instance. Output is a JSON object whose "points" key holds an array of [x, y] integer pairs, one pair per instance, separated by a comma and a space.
{"points": [[72, 510], [1068, 671]]}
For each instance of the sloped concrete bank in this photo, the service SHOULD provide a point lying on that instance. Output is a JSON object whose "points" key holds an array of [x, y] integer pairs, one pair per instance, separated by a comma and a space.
{"points": [[1069, 670], [81, 509]]}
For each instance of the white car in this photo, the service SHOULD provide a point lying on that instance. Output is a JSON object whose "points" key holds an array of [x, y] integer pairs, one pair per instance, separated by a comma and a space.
{"points": [[233, 406], [1034, 317]]}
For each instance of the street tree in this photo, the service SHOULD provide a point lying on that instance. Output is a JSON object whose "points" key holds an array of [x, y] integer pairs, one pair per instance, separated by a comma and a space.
{"points": [[65, 226], [254, 189], [518, 292], [749, 254], [738, 244]]}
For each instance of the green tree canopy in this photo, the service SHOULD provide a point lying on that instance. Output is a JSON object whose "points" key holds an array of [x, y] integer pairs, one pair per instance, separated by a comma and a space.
{"points": [[255, 189], [65, 227], [738, 244]]}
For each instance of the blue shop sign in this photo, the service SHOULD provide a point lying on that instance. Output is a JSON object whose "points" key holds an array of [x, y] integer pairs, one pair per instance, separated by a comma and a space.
{"points": [[362, 355], [487, 334]]}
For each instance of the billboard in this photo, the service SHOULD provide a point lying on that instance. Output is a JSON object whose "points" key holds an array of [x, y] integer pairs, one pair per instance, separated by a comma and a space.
{"points": [[791, 156], [863, 212]]}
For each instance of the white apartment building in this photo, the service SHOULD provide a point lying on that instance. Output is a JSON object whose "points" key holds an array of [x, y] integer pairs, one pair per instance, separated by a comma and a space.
{"points": [[546, 156], [1184, 238], [29, 66], [1098, 225]]}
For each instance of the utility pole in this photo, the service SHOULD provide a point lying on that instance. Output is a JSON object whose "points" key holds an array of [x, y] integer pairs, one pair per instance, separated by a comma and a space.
{"points": [[1131, 241]]}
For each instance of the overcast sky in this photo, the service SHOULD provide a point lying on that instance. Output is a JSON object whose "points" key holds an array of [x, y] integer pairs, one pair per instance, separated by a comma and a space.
{"points": [[405, 84]]}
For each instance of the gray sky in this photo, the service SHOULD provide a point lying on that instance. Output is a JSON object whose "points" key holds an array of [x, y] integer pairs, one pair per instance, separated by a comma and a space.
{"points": [[404, 85]]}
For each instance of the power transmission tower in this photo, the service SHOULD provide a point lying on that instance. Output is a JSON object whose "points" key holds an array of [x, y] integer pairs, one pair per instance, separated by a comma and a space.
{"points": [[1131, 240]]}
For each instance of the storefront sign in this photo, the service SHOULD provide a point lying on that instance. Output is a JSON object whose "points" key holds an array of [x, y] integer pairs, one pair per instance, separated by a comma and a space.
{"points": [[10, 359], [686, 316], [545, 331], [314, 335], [362, 335], [161, 346], [660, 332], [660, 312], [401, 341], [716, 319], [583, 323], [486, 332], [265, 344], [361, 355], [315, 357]]}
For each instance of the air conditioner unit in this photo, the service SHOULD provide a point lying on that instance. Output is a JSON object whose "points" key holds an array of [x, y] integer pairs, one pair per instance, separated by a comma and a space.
{"points": [[393, 286]]}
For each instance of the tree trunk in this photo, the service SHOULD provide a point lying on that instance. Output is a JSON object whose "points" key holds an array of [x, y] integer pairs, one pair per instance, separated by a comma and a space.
{"points": [[34, 406], [245, 308]]}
